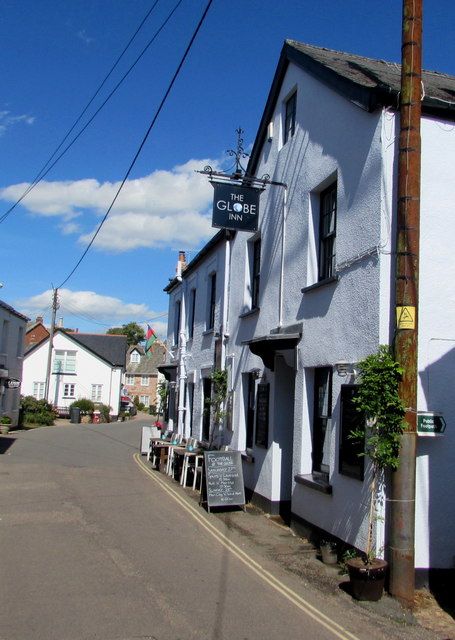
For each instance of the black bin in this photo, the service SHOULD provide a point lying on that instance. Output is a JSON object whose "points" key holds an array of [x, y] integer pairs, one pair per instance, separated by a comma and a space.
{"points": [[75, 415]]}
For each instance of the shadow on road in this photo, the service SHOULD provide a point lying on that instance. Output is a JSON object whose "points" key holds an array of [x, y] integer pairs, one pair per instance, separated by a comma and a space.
{"points": [[6, 443]]}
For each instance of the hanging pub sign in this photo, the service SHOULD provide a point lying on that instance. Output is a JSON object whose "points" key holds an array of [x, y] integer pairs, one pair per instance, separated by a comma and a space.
{"points": [[235, 207]]}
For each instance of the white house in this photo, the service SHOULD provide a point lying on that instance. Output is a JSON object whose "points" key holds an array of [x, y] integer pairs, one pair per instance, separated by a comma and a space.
{"points": [[312, 292], [82, 366], [197, 304], [12, 343]]}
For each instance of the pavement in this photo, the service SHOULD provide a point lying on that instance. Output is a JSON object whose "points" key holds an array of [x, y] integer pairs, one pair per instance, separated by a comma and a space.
{"points": [[270, 536]]}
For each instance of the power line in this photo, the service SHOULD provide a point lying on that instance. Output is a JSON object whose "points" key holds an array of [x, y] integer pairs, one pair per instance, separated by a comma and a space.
{"points": [[141, 146], [49, 164]]}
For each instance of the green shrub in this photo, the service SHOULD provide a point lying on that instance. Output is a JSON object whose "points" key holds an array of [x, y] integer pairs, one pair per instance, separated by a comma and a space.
{"points": [[5, 420], [84, 404], [105, 411], [35, 411]]}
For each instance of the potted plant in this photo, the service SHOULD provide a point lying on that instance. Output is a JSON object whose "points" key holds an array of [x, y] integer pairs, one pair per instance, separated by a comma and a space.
{"points": [[378, 400], [215, 404], [329, 553], [5, 422]]}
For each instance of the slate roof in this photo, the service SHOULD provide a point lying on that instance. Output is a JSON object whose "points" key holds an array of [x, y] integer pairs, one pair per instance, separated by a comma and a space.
{"points": [[368, 83], [9, 308], [148, 364], [380, 79], [111, 348]]}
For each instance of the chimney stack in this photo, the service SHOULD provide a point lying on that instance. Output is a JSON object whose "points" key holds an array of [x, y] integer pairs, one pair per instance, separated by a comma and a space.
{"points": [[181, 264]]}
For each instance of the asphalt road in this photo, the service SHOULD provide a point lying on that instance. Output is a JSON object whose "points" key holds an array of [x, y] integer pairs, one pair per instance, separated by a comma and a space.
{"points": [[95, 546]]}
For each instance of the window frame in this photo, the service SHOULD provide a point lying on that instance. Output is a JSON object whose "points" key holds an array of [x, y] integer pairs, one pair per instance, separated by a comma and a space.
{"points": [[350, 463], [328, 206], [211, 307], [321, 422], [145, 400], [290, 111], [39, 389], [96, 392], [69, 390], [69, 361], [207, 387], [250, 409], [192, 313], [135, 357], [255, 273], [129, 379], [145, 380]]}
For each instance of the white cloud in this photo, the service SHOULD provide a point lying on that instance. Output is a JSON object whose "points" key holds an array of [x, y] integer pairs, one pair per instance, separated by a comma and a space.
{"points": [[7, 120], [82, 35], [162, 209], [78, 308]]}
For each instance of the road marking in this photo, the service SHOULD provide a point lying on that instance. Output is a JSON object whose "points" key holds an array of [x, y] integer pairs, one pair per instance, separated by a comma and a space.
{"points": [[254, 566]]}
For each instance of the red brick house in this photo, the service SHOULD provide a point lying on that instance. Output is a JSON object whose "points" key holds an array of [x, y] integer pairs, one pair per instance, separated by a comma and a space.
{"points": [[141, 375]]}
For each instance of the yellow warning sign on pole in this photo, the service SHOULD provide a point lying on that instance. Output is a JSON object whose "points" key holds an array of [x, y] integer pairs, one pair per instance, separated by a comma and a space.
{"points": [[406, 317]]}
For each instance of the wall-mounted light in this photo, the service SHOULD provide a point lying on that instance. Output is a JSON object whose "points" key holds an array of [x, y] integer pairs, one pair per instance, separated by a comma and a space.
{"points": [[343, 368], [256, 373]]}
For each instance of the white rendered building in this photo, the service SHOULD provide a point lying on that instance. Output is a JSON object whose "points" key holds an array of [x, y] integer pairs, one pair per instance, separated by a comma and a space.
{"points": [[312, 292]]}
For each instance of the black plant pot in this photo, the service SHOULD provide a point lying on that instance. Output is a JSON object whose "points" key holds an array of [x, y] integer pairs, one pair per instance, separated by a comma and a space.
{"points": [[367, 580]]}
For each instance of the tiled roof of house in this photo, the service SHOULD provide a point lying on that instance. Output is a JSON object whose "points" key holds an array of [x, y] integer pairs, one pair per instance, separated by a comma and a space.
{"points": [[111, 348], [147, 364], [9, 308], [382, 78], [367, 83]]}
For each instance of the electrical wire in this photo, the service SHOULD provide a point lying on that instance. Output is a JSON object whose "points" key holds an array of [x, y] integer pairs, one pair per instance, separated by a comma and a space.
{"points": [[144, 140], [49, 164]]}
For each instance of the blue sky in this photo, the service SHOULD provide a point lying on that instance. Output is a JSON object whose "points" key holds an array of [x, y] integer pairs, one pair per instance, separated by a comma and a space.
{"points": [[55, 55]]}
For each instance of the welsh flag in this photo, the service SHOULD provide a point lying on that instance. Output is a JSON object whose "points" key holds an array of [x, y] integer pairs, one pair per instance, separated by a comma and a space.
{"points": [[151, 337]]}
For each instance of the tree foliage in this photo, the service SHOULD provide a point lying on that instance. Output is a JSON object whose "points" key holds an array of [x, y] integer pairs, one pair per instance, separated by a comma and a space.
{"points": [[377, 398], [133, 332]]}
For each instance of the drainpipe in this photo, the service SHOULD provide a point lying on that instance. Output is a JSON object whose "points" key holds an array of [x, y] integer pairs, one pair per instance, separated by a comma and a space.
{"points": [[226, 294], [283, 249], [55, 306], [181, 382], [181, 378], [402, 549]]}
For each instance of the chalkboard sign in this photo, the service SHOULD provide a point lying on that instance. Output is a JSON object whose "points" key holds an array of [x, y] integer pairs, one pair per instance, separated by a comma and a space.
{"points": [[262, 415], [224, 478]]}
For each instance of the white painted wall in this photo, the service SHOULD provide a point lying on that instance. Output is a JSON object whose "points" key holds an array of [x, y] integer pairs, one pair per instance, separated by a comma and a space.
{"points": [[90, 369], [196, 359], [342, 321], [435, 510], [12, 342]]}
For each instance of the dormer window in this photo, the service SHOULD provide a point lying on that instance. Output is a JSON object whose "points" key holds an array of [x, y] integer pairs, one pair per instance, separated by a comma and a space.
{"points": [[135, 357]]}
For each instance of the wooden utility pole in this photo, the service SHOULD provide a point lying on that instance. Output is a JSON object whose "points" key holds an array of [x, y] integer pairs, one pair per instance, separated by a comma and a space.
{"points": [[402, 571], [55, 306]]}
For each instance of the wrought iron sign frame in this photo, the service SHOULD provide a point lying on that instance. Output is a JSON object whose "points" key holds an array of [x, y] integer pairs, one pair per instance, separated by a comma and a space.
{"points": [[239, 176]]}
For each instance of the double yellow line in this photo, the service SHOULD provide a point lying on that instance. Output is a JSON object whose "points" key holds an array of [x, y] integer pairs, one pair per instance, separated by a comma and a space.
{"points": [[266, 576]]}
